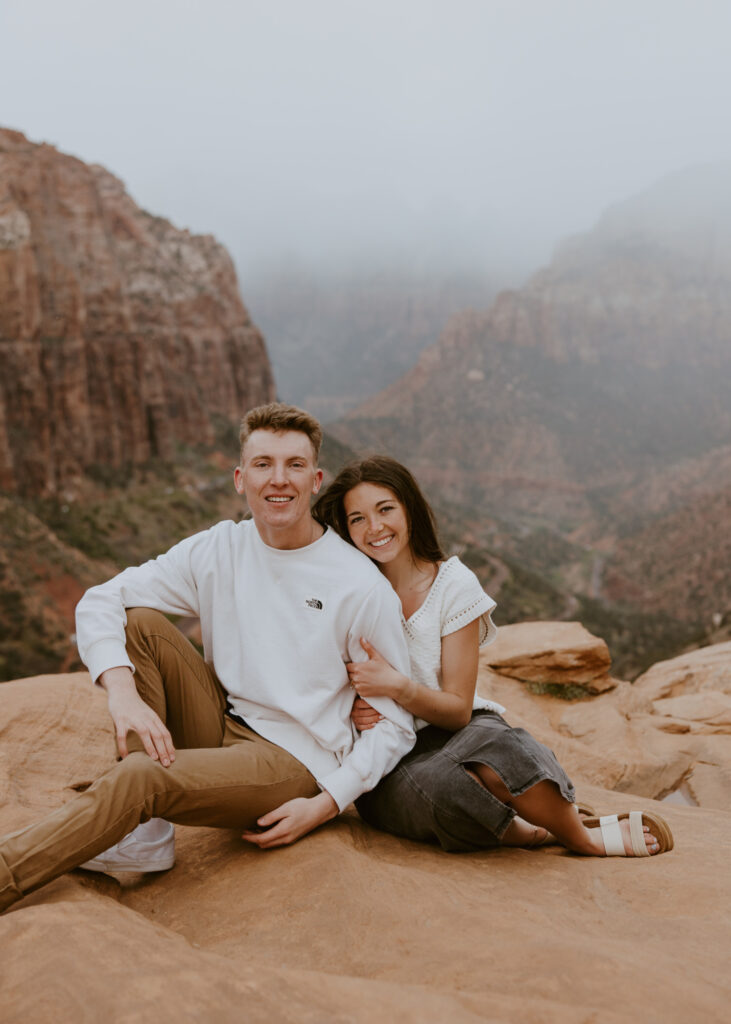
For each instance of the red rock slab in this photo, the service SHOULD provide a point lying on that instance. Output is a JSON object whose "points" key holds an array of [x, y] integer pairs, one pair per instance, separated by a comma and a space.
{"points": [[707, 668], [550, 652]]}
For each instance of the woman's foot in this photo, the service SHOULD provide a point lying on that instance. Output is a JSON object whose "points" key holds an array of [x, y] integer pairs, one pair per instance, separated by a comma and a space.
{"points": [[632, 834]]}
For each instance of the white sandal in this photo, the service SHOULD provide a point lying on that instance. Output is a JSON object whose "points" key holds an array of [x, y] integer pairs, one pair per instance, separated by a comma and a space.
{"points": [[612, 834]]}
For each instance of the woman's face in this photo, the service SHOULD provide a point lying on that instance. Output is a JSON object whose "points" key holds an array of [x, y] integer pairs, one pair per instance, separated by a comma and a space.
{"points": [[377, 522]]}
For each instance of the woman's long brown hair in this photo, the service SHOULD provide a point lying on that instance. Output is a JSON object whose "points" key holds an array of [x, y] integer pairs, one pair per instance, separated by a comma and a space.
{"points": [[329, 509]]}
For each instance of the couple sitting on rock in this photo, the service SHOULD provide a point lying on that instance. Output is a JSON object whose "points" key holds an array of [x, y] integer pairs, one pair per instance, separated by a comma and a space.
{"points": [[328, 677]]}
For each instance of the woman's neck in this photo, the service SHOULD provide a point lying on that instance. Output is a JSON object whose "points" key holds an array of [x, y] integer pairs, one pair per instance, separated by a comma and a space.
{"points": [[408, 574]]}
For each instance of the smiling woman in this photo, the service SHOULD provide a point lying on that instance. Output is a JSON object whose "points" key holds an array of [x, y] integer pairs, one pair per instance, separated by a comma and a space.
{"points": [[472, 781]]}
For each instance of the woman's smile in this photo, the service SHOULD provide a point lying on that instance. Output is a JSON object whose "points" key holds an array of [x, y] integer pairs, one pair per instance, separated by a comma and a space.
{"points": [[377, 522]]}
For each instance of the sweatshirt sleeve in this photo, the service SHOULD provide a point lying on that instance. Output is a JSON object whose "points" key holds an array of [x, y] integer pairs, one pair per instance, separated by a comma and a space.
{"points": [[375, 751], [166, 583]]}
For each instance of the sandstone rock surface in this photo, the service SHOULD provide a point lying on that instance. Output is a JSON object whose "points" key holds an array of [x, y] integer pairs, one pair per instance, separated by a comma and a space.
{"points": [[559, 653], [119, 334], [353, 925]]}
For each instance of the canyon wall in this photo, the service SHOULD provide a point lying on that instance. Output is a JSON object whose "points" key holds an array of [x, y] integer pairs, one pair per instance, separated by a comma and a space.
{"points": [[609, 366], [592, 402], [120, 335]]}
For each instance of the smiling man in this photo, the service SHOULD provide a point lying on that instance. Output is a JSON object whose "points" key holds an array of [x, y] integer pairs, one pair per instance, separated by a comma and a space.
{"points": [[256, 736]]}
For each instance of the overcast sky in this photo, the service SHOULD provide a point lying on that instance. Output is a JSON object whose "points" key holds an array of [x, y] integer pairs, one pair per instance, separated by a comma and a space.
{"points": [[456, 133]]}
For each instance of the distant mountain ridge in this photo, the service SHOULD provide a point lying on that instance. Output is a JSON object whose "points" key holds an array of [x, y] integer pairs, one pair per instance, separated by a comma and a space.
{"points": [[605, 377]]}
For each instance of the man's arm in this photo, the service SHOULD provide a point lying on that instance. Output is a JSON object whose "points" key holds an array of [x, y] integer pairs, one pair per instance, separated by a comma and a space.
{"points": [[165, 583], [374, 752]]}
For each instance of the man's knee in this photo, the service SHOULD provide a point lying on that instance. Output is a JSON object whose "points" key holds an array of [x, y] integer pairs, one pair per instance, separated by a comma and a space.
{"points": [[142, 621], [135, 776]]}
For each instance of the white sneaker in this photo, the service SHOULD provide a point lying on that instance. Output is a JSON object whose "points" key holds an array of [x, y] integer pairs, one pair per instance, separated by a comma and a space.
{"points": [[134, 853]]}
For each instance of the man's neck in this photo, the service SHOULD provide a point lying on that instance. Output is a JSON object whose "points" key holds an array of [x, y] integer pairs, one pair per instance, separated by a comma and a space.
{"points": [[300, 535]]}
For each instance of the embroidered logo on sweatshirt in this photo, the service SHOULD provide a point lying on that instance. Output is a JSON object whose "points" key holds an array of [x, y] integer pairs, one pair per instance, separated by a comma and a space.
{"points": [[312, 602]]}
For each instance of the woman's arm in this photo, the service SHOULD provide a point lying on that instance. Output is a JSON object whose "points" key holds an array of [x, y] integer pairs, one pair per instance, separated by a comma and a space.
{"points": [[450, 707]]}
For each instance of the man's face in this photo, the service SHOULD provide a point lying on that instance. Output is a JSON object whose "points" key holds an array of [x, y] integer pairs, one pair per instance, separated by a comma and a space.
{"points": [[277, 476]]}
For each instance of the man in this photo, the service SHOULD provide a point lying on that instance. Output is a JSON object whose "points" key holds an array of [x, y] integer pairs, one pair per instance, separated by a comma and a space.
{"points": [[258, 736]]}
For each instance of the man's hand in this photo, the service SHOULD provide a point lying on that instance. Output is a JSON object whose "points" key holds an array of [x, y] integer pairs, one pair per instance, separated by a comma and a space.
{"points": [[129, 712], [377, 678], [292, 820], [363, 716]]}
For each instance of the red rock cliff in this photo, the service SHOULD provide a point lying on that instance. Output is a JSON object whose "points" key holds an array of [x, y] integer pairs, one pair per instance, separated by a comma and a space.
{"points": [[119, 334]]}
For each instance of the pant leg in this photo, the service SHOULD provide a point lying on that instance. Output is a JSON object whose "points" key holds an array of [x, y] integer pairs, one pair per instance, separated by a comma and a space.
{"points": [[175, 681], [224, 787]]}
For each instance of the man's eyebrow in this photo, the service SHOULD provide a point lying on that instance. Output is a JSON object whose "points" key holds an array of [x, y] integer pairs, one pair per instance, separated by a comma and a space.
{"points": [[269, 455]]}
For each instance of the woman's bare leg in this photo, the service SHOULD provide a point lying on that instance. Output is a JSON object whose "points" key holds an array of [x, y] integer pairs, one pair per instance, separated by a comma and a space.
{"points": [[542, 805]]}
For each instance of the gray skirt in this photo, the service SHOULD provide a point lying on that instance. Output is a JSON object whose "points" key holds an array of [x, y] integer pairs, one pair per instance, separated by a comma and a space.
{"points": [[430, 797]]}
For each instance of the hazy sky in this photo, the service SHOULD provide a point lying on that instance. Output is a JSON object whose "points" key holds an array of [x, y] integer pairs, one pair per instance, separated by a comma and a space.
{"points": [[453, 132]]}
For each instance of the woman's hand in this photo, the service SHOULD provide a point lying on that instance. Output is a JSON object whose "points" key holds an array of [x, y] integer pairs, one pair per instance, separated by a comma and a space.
{"points": [[377, 678], [363, 716], [291, 821]]}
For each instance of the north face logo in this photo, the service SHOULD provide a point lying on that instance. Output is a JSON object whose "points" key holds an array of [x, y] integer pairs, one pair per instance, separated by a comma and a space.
{"points": [[312, 602]]}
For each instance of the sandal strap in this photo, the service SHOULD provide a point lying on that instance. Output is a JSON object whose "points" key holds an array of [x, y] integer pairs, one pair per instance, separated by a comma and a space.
{"points": [[637, 835], [612, 835]]}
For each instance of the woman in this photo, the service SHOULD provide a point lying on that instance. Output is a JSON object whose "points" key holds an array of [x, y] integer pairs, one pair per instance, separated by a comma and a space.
{"points": [[471, 781]]}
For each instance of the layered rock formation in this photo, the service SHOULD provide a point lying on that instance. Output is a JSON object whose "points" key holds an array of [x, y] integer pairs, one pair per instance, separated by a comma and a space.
{"points": [[351, 924], [119, 334]]}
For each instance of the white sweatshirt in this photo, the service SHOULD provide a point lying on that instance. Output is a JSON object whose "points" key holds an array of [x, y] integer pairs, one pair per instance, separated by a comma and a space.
{"points": [[278, 627]]}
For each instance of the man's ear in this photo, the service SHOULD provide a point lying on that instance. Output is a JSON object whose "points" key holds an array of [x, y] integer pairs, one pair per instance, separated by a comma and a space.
{"points": [[318, 481], [239, 480]]}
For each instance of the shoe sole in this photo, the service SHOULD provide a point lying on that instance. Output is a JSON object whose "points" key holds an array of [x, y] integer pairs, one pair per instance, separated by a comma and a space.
{"points": [[125, 868]]}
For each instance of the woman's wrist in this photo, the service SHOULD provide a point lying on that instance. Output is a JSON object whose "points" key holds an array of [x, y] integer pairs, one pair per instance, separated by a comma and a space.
{"points": [[407, 691]]}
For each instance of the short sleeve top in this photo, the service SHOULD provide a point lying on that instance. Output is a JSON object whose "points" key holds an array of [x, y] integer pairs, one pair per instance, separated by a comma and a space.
{"points": [[455, 599]]}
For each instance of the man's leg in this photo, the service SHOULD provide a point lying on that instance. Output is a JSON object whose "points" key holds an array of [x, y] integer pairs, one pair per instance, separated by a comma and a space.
{"points": [[225, 787], [219, 787], [175, 681]]}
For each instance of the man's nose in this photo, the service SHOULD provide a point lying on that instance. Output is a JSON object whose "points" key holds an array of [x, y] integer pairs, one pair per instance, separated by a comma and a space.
{"points": [[279, 475]]}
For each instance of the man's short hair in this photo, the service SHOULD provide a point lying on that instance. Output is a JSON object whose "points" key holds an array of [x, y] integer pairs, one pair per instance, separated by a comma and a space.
{"points": [[278, 416]]}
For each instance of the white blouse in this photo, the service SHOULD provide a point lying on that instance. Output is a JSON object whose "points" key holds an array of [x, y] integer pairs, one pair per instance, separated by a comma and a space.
{"points": [[454, 600]]}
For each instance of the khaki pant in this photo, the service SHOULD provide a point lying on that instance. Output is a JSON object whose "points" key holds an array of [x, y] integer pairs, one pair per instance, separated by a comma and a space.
{"points": [[224, 775]]}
